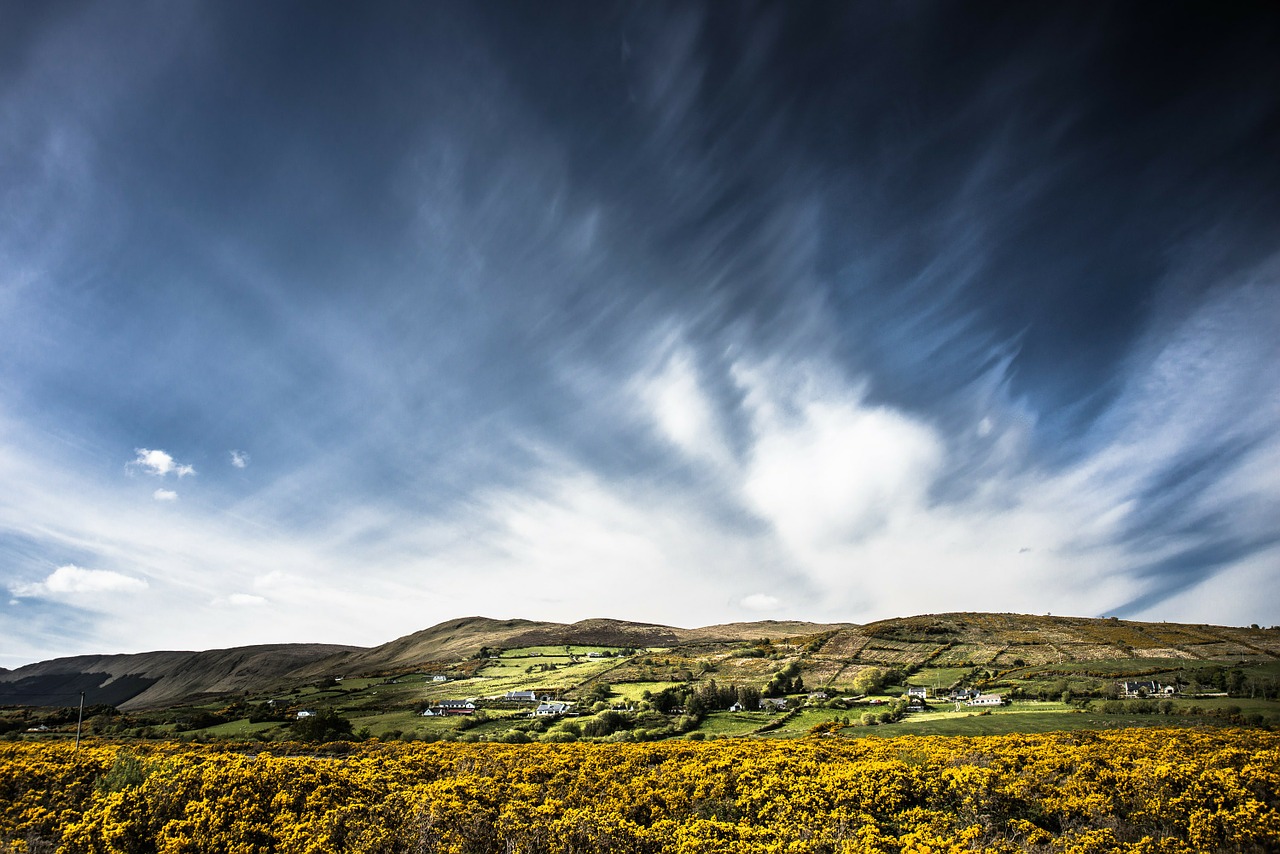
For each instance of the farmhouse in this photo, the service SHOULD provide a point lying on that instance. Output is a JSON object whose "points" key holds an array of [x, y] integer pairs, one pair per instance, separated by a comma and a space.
{"points": [[522, 696], [1150, 688], [306, 713], [455, 707], [986, 700], [545, 709], [771, 704], [917, 691], [439, 678]]}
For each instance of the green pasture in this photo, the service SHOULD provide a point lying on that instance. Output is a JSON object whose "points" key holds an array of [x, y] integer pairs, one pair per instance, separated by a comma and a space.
{"points": [[633, 691], [554, 651], [943, 677], [733, 723], [1003, 723]]}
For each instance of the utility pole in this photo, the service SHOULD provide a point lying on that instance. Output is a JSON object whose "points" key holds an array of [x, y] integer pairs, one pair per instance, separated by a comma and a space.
{"points": [[79, 720]]}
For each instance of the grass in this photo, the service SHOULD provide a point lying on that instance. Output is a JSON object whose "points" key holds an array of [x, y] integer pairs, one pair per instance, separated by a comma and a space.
{"points": [[733, 723], [940, 676], [634, 690], [1003, 724], [553, 651]]}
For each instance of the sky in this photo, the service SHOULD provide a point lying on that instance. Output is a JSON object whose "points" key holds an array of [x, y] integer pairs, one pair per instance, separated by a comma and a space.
{"points": [[330, 322]]}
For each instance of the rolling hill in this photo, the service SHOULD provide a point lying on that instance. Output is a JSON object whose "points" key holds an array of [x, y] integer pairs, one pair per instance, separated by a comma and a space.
{"points": [[829, 654]]}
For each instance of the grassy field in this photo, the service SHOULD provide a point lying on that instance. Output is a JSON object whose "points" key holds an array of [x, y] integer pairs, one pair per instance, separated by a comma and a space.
{"points": [[633, 690], [944, 677], [1001, 723]]}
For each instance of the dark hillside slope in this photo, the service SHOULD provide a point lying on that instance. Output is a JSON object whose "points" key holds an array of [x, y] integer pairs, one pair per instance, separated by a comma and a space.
{"points": [[156, 679]]}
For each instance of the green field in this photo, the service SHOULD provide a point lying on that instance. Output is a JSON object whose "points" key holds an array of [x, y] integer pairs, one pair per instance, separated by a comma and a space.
{"points": [[1002, 723]]}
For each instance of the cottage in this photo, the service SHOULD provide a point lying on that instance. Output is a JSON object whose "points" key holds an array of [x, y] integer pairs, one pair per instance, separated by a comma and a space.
{"points": [[522, 696], [917, 691], [986, 700], [545, 709], [772, 704], [1149, 688], [818, 695], [439, 678], [456, 707], [306, 713]]}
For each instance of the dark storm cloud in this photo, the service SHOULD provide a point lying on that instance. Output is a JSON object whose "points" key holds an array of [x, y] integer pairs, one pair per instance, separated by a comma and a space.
{"points": [[488, 269]]}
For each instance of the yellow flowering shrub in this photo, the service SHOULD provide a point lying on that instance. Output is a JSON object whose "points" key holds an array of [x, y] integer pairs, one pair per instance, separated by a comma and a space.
{"points": [[1167, 791]]}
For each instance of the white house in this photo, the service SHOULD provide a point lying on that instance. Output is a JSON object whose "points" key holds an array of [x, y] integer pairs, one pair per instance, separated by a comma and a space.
{"points": [[986, 700], [917, 691], [455, 707], [439, 678], [306, 713], [551, 709], [522, 696]]}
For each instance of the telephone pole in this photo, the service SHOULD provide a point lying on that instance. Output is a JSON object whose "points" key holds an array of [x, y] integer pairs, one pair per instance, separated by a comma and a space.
{"points": [[79, 720]]}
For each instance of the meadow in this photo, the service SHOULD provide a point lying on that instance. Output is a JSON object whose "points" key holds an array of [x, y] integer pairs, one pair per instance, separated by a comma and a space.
{"points": [[1178, 790]]}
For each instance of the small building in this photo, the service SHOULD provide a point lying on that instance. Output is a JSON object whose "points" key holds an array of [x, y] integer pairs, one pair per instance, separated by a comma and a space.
{"points": [[736, 707], [456, 707], [306, 713], [917, 691], [522, 696], [818, 695], [439, 678], [773, 704], [986, 700], [1149, 688], [547, 709]]}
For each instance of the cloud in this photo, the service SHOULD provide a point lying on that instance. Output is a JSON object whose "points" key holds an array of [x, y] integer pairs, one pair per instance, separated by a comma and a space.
{"points": [[241, 600], [164, 495], [71, 580], [239, 459], [760, 602], [825, 467], [159, 464]]}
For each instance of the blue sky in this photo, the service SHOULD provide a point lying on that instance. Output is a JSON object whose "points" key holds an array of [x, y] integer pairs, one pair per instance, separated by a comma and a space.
{"points": [[328, 323]]}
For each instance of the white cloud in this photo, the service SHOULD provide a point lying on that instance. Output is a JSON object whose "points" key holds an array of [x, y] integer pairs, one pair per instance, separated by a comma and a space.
{"points": [[239, 459], [164, 495], [682, 411], [760, 602], [241, 600], [824, 467], [72, 580], [159, 463]]}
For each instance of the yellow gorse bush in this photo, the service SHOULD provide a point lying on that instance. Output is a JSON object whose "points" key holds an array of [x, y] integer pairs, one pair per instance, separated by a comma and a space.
{"points": [[1166, 790]]}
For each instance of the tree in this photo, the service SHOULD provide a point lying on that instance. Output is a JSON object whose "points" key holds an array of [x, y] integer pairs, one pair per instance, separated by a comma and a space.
{"points": [[870, 680], [327, 725]]}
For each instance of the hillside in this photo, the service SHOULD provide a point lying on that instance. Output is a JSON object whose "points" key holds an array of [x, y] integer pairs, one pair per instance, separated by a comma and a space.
{"points": [[1012, 645], [156, 679]]}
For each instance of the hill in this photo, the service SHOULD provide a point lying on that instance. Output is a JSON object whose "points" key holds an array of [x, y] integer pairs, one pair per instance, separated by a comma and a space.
{"points": [[157, 679], [1010, 646]]}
